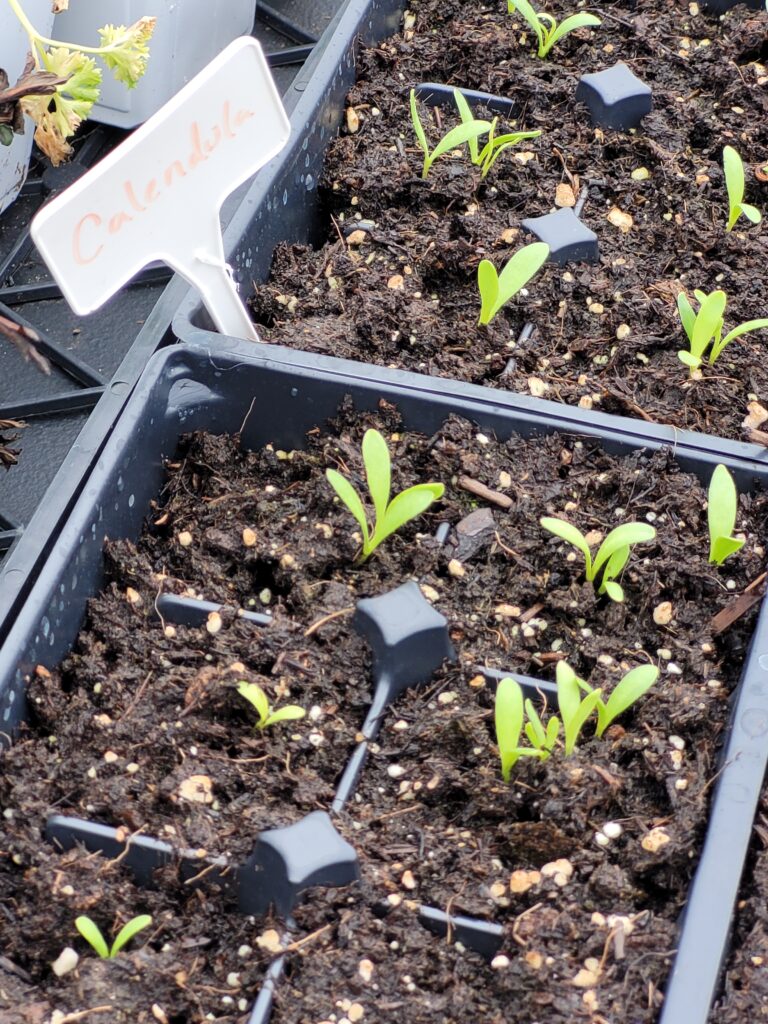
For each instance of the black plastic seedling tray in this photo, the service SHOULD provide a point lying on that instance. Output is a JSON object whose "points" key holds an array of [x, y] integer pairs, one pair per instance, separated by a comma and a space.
{"points": [[96, 361], [282, 204], [240, 386]]}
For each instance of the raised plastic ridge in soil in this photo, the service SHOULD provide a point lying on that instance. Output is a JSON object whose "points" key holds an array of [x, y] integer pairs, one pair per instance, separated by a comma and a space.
{"points": [[400, 288], [140, 709]]}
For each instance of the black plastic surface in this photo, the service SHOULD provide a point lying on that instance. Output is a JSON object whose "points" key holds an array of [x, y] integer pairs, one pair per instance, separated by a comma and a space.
{"points": [[616, 97], [188, 389], [96, 360], [568, 238]]}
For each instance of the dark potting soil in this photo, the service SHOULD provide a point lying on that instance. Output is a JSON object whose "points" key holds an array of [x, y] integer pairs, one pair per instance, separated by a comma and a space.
{"points": [[141, 727], [745, 985], [403, 291]]}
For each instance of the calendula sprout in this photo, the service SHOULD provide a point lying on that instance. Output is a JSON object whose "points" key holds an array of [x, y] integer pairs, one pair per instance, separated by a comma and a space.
{"points": [[630, 688], [389, 515], [612, 555], [543, 739], [722, 502], [705, 327], [497, 289], [546, 28], [733, 166], [77, 77], [92, 934], [451, 140], [508, 719], [486, 157], [254, 694], [574, 710]]}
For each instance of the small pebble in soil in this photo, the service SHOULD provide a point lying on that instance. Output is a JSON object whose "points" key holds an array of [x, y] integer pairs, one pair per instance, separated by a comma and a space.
{"points": [[521, 881], [714, 684], [395, 771], [233, 979], [65, 962], [612, 829], [673, 669], [402, 725], [265, 595], [110, 756], [394, 899], [170, 632], [133, 596], [365, 969], [602, 839], [677, 742], [662, 613], [269, 941], [500, 962], [409, 882], [455, 568], [681, 784], [213, 623], [159, 1013], [185, 538], [653, 841], [244, 951]]}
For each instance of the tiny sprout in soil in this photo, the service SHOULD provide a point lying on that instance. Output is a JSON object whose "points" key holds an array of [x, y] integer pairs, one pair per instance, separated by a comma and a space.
{"points": [[254, 694], [612, 555], [733, 167], [630, 688], [722, 502], [706, 326], [486, 157], [92, 934], [451, 140], [389, 515], [546, 28], [497, 289]]}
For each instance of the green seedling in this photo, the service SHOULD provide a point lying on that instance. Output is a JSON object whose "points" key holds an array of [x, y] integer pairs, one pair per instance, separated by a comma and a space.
{"points": [[497, 289], [254, 694], [389, 515], [543, 739], [733, 166], [546, 28], [92, 934], [705, 327], [456, 137], [612, 555], [486, 157], [508, 717], [630, 688], [722, 502], [574, 710]]}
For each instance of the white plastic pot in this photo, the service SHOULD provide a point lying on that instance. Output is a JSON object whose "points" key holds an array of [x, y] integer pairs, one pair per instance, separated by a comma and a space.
{"points": [[188, 35], [14, 45]]}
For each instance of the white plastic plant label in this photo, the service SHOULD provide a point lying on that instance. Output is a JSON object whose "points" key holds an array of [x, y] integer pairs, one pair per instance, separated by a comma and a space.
{"points": [[157, 196]]}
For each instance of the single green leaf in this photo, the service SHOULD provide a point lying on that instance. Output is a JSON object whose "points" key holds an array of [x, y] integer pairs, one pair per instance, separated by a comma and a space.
{"points": [[734, 177], [378, 471], [615, 563], [722, 503], [256, 696], [699, 295], [745, 328], [488, 284], [708, 319], [690, 360], [614, 590], [495, 147], [518, 272], [91, 932], [565, 531], [524, 8], [467, 117], [457, 137], [6, 135], [687, 315], [751, 213], [508, 719], [411, 502], [626, 535], [553, 729], [569, 25], [723, 547], [351, 499], [417, 126], [627, 691], [568, 694], [128, 931], [289, 713]]}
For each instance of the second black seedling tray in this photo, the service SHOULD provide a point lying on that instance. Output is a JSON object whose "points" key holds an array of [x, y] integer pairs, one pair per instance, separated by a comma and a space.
{"points": [[188, 389]]}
